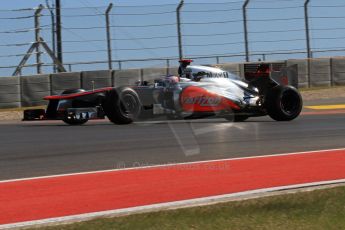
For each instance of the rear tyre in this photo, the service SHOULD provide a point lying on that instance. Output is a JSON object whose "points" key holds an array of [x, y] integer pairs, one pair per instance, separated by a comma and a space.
{"points": [[283, 103], [122, 106]]}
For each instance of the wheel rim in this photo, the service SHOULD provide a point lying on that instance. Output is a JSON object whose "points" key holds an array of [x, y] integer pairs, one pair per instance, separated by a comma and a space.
{"points": [[129, 106], [290, 102]]}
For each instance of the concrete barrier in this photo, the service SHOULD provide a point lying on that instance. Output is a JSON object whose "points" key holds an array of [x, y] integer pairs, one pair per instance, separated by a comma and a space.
{"points": [[152, 73], [63, 81], [10, 92], [126, 77], [292, 74], [338, 71], [34, 88], [303, 72], [320, 72], [101, 78]]}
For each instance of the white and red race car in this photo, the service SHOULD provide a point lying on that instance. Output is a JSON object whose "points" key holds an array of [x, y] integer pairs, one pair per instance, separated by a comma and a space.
{"points": [[198, 91]]}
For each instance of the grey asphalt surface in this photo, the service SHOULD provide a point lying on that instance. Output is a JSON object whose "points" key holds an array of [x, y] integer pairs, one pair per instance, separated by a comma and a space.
{"points": [[30, 149]]}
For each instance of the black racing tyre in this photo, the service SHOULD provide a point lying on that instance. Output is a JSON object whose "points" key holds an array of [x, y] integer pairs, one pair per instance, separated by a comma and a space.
{"points": [[283, 103], [122, 106], [74, 121]]}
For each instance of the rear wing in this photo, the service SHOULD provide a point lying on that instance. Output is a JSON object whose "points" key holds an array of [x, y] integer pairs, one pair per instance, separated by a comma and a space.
{"points": [[283, 75]]}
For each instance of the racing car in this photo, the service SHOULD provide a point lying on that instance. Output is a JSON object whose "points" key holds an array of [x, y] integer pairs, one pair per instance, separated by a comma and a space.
{"points": [[197, 92]]}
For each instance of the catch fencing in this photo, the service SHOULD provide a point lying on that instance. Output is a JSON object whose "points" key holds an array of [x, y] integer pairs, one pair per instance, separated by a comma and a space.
{"points": [[119, 36]]}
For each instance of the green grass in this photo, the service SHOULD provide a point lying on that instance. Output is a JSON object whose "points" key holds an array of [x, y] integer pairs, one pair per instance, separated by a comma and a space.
{"points": [[316, 210]]}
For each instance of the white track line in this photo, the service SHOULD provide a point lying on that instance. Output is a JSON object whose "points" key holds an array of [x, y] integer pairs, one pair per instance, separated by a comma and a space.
{"points": [[169, 165], [167, 205]]}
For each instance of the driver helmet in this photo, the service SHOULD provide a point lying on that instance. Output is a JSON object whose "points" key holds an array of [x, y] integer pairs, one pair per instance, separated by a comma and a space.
{"points": [[182, 68]]}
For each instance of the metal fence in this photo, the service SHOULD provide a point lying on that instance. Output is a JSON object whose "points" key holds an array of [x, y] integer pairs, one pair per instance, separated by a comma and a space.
{"points": [[132, 36]]}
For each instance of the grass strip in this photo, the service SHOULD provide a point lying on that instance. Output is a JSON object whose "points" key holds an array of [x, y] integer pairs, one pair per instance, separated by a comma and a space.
{"points": [[316, 210]]}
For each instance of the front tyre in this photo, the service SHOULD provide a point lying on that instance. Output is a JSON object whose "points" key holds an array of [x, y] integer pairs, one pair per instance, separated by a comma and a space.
{"points": [[122, 106], [283, 103]]}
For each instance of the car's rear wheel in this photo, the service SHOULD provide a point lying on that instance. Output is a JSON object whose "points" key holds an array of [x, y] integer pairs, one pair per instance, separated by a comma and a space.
{"points": [[122, 106], [283, 103]]}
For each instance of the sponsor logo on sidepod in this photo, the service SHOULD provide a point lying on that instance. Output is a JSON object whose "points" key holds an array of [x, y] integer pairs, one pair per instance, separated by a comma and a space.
{"points": [[203, 100]]}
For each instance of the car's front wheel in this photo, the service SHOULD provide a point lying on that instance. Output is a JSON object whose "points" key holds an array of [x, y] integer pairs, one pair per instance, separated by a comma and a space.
{"points": [[283, 103], [122, 106]]}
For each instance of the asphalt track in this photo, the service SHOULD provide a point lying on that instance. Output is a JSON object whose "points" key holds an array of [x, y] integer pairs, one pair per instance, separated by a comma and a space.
{"points": [[30, 149]]}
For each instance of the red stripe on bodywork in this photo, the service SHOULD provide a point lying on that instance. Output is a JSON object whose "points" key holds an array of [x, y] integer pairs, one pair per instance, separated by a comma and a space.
{"points": [[197, 99], [73, 95]]}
